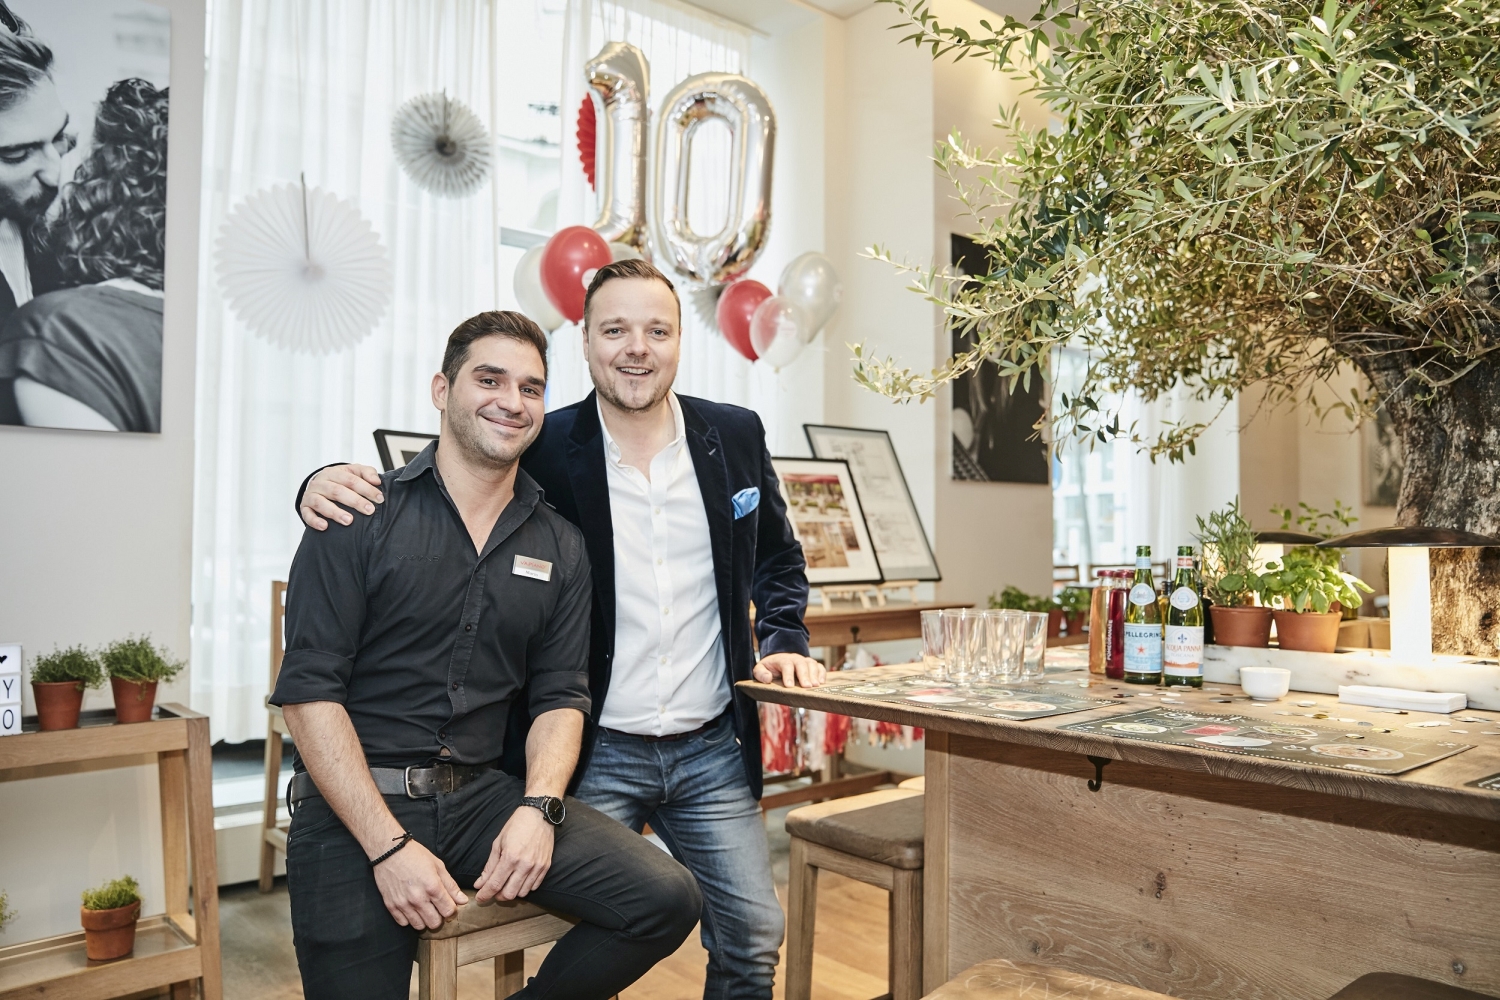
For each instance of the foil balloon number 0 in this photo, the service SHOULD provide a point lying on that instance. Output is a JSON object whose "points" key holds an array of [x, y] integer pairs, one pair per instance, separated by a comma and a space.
{"points": [[619, 79]]}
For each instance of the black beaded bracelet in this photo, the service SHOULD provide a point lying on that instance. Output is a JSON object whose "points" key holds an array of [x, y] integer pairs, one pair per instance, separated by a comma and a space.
{"points": [[401, 841]]}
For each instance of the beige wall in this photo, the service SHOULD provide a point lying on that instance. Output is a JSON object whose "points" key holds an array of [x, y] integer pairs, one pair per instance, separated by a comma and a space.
{"points": [[95, 542]]}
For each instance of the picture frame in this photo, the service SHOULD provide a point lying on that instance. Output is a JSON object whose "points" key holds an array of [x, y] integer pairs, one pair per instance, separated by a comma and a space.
{"points": [[822, 505], [901, 546], [403, 445]]}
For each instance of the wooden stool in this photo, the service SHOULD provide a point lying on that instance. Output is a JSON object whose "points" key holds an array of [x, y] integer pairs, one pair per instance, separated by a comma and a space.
{"points": [[499, 930], [999, 979], [1389, 986], [877, 839], [272, 831]]}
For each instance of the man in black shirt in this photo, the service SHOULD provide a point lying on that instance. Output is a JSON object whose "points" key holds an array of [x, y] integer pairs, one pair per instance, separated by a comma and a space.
{"points": [[409, 636]]}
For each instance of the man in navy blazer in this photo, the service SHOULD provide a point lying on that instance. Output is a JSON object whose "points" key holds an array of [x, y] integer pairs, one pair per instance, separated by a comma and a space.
{"points": [[685, 526]]}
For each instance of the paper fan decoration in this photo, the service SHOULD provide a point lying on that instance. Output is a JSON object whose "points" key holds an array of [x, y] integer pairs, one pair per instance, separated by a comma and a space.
{"points": [[442, 145], [705, 303], [588, 139], [303, 269]]}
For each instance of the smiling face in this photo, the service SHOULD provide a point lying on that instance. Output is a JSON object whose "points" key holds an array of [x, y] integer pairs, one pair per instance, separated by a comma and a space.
{"points": [[633, 342], [493, 408], [33, 139]]}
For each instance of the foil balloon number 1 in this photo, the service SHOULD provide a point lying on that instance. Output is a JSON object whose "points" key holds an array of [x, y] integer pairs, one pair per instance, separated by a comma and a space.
{"points": [[619, 77]]}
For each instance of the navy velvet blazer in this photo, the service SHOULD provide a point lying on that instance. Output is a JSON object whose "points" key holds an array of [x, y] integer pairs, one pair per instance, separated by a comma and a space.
{"points": [[755, 556]]}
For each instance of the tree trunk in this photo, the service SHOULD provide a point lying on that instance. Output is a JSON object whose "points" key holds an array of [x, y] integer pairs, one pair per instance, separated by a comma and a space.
{"points": [[1450, 440]]}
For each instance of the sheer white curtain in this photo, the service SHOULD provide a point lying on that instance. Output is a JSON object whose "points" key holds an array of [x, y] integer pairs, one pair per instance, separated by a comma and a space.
{"points": [[1166, 498], [308, 87], [678, 41]]}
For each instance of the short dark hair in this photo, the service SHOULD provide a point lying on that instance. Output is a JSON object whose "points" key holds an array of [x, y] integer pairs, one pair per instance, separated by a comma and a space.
{"points": [[495, 323], [24, 63], [633, 267]]}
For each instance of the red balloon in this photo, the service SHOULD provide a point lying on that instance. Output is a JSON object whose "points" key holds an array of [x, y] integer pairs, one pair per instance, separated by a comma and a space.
{"points": [[568, 262], [736, 307]]}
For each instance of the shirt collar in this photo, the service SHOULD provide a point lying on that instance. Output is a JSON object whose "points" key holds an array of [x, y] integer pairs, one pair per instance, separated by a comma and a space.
{"points": [[679, 428], [527, 490]]}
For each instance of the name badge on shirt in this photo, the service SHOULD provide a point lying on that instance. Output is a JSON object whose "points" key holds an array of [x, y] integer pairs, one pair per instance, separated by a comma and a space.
{"points": [[537, 569]]}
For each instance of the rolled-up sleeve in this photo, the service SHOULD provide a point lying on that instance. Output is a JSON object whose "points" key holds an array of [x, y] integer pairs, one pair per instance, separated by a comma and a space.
{"points": [[558, 665], [325, 614]]}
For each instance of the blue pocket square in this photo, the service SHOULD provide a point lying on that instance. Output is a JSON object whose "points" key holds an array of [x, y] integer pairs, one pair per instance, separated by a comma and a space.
{"points": [[745, 501]]}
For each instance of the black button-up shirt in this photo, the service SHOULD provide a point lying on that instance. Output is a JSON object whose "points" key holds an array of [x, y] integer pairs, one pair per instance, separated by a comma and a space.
{"points": [[424, 641]]}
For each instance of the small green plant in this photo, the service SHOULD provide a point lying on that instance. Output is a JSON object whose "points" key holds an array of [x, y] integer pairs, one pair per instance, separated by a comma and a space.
{"points": [[1323, 523], [135, 659], [1229, 573], [6, 913], [1015, 599], [113, 894], [72, 664], [1074, 600], [1304, 580]]}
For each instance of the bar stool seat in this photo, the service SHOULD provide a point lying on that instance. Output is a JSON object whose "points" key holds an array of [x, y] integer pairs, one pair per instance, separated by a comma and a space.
{"points": [[500, 930], [875, 838], [1389, 986], [1000, 979]]}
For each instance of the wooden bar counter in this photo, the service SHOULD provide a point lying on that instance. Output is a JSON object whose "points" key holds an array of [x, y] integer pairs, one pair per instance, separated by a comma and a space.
{"points": [[1196, 872]]}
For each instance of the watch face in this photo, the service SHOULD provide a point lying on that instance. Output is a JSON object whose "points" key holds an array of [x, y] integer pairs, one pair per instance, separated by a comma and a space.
{"points": [[554, 810]]}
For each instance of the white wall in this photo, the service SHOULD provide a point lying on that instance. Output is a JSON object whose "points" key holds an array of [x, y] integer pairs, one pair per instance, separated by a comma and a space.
{"points": [[95, 538]]}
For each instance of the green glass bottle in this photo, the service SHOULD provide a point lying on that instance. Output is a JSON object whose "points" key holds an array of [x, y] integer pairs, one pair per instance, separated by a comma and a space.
{"points": [[1182, 651], [1143, 624]]}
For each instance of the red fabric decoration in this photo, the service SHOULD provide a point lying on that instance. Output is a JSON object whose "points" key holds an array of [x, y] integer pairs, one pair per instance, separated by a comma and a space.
{"points": [[587, 128], [836, 733], [777, 743]]}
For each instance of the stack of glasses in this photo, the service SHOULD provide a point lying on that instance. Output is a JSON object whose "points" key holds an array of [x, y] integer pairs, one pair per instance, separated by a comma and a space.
{"points": [[967, 646]]}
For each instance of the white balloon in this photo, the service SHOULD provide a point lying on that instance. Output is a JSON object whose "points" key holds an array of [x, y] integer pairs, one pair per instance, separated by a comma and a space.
{"points": [[624, 251], [527, 285], [778, 331], [811, 282]]}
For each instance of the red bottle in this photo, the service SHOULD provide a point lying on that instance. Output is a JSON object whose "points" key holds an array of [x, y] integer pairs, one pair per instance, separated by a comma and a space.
{"points": [[1114, 645]]}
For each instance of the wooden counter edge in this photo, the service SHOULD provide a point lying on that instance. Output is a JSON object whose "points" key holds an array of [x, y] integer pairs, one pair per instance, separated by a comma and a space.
{"points": [[1391, 790]]}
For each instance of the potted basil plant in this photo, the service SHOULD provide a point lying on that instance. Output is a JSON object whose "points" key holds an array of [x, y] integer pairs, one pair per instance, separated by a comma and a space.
{"points": [[1230, 579], [1074, 603], [109, 914], [1310, 593], [135, 667], [58, 680]]}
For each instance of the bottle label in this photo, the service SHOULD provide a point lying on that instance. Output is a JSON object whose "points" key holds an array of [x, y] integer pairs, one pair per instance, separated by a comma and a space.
{"points": [[1142, 562], [1183, 654], [1142, 648], [1184, 562], [1142, 594], [1184, 598]]}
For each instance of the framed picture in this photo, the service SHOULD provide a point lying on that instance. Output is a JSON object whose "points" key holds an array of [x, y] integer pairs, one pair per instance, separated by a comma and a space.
{"points": [[823, 505], [900, 542], [1383, 462], [397, 448]]}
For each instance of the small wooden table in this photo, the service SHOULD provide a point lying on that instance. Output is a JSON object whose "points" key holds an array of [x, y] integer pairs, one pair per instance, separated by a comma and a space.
{"points": [[1196, 872], [175, 948]]}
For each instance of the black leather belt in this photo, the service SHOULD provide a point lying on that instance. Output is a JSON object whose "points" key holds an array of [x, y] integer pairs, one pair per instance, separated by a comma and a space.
{"points": [[661, 739], [412, 782]]}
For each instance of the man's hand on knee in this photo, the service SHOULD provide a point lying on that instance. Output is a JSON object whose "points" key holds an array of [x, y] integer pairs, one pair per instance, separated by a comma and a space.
{"points": [[519, 858], [417, 889], [355, 486]]}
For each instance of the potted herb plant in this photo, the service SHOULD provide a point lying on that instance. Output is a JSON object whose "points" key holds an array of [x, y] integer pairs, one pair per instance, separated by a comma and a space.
{"points": [[58, 680], [109, 914], [135, 666], [1074, 603], [1310, 592], [1230, 579]]}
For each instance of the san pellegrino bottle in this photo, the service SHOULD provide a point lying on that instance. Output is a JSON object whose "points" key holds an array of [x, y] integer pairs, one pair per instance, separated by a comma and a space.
{"points": [[1143, 625], [1183, 651]]}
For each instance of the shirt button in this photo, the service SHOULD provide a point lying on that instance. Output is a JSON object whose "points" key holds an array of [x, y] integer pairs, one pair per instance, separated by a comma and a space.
{"points": [[455, 685], [664, 659], [468, 628], [666, 611], [659, 560], [656, 510]]}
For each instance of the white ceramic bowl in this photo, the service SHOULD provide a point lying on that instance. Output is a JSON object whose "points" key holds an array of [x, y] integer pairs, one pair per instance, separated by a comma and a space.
{"points": [[1265, 683]]}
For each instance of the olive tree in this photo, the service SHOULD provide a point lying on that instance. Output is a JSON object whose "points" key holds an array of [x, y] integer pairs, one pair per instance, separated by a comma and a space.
{"points": [[1242, 193]]}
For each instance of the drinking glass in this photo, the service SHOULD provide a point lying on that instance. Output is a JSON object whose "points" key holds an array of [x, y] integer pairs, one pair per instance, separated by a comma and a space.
{"points": [[960, 636], [1035, 646], [1004, 637], [934, 651]]}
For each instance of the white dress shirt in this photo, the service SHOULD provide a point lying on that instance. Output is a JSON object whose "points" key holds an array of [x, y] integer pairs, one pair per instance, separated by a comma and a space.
{"points": [[13, 261], [669, 673]]}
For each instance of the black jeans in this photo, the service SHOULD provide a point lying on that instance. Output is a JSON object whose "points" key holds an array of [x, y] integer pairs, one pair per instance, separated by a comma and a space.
{"points": [[634, 903]]}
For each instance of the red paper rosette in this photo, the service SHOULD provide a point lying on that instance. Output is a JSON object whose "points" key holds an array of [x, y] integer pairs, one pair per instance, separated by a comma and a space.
{"points": [[587, 128]]}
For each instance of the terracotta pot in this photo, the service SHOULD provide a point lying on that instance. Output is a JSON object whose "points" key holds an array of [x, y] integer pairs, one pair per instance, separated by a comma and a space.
{"points": [[1075, 622], [1054, 623], [1241, 626], [1308, 630], [133, 699], [57, 703], [109, 934]]}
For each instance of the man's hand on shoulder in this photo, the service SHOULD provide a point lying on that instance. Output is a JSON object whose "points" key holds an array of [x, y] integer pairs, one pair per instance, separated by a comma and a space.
{"points": [[519, 858], [355, 486], [792, 669], [417, 889]]}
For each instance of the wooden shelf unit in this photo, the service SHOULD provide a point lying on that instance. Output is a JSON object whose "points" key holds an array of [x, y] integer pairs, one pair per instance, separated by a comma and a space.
{"points": [[176, 948]]}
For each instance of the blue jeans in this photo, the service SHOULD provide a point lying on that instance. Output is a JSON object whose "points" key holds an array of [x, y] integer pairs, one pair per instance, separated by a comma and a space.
{"points": [[693, 793]]}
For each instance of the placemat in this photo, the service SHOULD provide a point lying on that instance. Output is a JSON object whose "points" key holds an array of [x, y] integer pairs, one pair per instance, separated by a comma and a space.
{"points": [[1372, 749], [1015, 702]]}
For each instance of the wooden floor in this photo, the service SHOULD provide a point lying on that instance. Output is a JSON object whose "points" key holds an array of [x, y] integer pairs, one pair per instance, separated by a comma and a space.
{"points": [[849, 964]]}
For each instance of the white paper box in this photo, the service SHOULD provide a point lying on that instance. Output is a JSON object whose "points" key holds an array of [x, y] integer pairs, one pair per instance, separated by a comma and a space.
{"points": [[10, 688], [10, 719], [1445, 702]]}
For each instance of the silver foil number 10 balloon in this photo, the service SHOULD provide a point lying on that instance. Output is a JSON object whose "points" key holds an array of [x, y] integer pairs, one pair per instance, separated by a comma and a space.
{"points": [[618, 76]]}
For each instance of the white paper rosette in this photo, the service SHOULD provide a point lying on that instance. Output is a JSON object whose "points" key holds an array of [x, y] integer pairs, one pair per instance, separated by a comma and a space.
{"points": [[442, 145], [303, 269]]}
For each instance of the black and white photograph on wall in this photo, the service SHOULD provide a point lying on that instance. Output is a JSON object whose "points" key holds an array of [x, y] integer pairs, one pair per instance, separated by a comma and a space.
{"points": [[994, 435], [83, 197]]}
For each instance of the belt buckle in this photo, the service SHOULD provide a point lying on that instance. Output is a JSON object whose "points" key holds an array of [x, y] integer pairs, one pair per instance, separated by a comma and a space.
{"points": [[406, 781]]}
